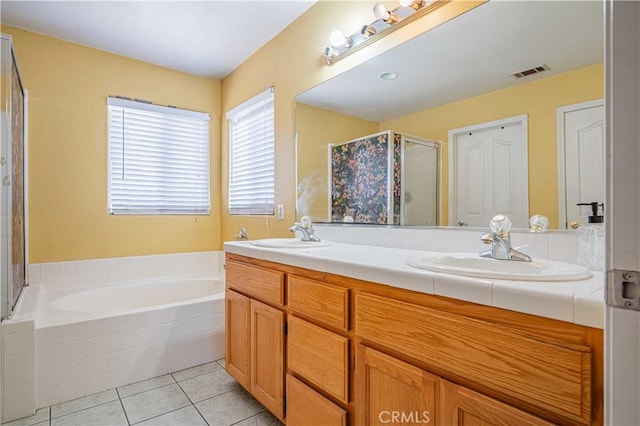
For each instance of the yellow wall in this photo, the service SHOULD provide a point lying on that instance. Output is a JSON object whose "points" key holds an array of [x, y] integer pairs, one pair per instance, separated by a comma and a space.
{"points": [[292, 62], [67, 87], [316, 129], [539, 100]]}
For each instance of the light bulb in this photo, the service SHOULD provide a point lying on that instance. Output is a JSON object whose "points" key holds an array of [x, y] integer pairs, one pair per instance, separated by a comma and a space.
{"points": [[336, 38], [414, 4], [380, 12]]}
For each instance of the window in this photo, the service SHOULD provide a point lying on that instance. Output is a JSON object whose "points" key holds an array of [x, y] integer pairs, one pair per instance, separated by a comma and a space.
{"points": [[158, 159], [251, 155]]}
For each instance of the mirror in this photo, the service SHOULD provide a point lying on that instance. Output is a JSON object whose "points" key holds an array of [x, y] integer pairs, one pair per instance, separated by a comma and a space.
{"points": [[456, 77]]}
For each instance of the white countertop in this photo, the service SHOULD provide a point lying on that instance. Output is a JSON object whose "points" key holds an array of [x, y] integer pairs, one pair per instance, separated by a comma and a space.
{"points": [[580, 302]]}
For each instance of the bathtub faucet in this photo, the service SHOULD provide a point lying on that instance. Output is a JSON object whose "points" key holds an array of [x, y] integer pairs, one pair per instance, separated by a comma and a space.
{"points": [[306, 228], [241, 235], [500, 240]]}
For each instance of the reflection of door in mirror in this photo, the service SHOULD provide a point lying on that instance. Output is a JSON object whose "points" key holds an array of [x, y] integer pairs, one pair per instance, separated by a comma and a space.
{"points": [[488, 172], [580, 160]]}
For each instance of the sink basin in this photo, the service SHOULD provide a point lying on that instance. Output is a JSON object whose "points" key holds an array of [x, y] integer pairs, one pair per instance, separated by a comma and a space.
{"points": [[481, 267], [289, 243]]}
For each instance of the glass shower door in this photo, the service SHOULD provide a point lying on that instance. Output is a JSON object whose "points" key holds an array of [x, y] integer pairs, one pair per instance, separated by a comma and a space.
{"points": [[12, 218]]}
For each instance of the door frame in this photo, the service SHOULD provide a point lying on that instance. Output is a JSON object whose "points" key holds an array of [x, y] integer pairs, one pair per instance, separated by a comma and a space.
{"points": [[622, 326], [562, 183], [452, 158]]}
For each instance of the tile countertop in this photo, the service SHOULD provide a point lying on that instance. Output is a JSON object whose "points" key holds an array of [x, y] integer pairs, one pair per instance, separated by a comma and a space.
{"points": [[580, 302]]}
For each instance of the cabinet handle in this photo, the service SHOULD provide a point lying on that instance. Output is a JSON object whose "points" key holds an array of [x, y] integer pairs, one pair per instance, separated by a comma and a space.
{"points": [[6, 181]]}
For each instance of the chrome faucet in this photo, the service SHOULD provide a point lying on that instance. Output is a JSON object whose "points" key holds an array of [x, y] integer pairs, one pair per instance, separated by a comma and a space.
{"points": [[500, 240], [241, 235], [306, 228]]}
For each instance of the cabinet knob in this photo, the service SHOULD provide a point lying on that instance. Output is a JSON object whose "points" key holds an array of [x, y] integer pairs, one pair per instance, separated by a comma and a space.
{"points": [[6, 181]]}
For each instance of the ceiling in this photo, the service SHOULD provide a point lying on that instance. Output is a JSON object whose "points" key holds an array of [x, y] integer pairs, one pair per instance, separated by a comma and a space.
{"points": [[206, 38], [473, 54]]}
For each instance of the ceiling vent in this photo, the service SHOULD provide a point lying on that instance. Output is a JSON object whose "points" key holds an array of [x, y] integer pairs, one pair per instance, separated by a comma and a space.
{"points": [[530, 71]]}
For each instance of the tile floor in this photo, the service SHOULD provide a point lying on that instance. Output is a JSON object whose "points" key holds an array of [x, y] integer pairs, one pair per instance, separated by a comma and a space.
{"points": [[202, 395]]}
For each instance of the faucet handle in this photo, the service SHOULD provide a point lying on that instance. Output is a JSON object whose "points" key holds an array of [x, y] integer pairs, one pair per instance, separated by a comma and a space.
{"points": [[500, 224], [305, 221]]}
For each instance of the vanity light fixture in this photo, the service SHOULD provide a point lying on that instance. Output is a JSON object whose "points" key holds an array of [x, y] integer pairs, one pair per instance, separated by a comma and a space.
{"points": [[386, 22]]}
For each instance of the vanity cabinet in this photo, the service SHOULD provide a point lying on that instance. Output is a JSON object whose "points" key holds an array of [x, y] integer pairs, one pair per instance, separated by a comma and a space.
{"points": [[360, 353], [254, 336]]}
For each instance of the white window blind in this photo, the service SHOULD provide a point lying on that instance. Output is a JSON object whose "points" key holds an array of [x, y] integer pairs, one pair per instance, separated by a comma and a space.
{"points": [[158, 159], [251, 155]]}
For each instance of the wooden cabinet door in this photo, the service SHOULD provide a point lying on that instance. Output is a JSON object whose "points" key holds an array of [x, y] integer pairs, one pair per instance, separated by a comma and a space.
{"points": [[306, 407], [464, 407], [237, 337], [390, 391], [267, 356]]}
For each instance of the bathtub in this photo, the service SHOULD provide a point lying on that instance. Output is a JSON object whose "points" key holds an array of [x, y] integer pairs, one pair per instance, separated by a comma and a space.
{"points": [[89, 339]]}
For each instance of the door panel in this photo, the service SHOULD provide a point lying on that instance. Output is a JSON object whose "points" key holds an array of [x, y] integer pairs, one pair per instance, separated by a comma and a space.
{"points": [[237, 340], [267, 356], [583, 160], [488, 173], [391, 391]]}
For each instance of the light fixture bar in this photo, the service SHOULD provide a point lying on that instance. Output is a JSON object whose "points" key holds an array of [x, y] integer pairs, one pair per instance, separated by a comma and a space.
{"points": [[333, 55]]}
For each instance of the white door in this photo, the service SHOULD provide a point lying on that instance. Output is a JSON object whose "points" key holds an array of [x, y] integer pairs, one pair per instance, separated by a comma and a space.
{"points": [[488, 173], [622, 325], [580, 160]]}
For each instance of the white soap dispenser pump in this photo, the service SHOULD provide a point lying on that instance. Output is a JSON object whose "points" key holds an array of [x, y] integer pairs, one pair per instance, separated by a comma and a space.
{"points": [[591, 239]]}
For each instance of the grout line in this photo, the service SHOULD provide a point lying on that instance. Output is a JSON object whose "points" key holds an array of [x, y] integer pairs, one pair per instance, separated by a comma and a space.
{"points": [[84, 409], [250, 417], [163, 414], [122, 405], [146, 390], [201, 416]]}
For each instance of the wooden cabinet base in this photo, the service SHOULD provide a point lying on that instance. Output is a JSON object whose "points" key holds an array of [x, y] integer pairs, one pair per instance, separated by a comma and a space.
{"points": [[359, 353]]}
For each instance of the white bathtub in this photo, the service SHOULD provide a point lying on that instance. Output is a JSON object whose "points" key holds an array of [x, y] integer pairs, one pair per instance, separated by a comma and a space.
{"points": [[91, 339]]}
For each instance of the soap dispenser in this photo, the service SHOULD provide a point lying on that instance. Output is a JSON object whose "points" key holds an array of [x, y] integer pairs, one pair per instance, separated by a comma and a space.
{"points": [[591, 239]]}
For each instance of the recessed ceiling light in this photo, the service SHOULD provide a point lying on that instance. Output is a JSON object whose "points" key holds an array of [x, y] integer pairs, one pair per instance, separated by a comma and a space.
{"points": [[388, 75]]}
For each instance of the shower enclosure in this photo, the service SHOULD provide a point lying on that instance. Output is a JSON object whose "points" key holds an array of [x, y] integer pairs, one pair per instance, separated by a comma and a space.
{"points": [[12, 177], [385, 178]]}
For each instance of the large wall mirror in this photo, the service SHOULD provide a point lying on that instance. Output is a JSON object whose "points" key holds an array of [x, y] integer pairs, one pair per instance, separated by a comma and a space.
{"points": [[456, 135]]}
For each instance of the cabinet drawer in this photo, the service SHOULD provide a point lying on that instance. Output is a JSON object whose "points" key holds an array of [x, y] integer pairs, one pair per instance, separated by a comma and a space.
{"points": [[553, 377], [320, 356], [263, 284], [306, 407], [325, 303]]}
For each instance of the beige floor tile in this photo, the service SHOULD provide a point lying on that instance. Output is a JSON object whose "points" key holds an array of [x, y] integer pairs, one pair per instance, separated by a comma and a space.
{"points": [[83, 403], [196, 371], [152, 403], [110, 414], [229, 408], [208, 385], [145, 385]]}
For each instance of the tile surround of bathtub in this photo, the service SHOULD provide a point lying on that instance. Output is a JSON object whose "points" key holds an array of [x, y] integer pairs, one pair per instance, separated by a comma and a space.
{"points": [[44, 366], [79, 359], [553, 245], [85, 273]]}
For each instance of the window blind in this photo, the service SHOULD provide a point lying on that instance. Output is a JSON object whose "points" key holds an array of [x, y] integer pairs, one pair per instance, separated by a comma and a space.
{"points": [[251, 155], [158, 159]]}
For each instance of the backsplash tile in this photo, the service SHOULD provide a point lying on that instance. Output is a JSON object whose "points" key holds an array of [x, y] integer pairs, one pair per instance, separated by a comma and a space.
{"points": [[554, 244], [85, 273]]}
